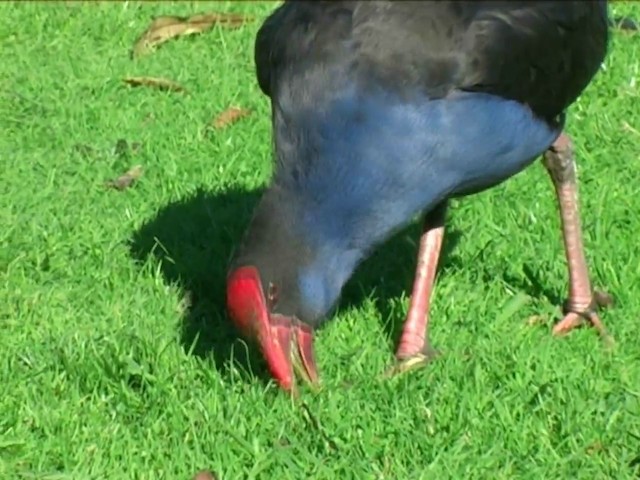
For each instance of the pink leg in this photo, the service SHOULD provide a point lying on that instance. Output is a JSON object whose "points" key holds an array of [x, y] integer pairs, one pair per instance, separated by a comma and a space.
{"points": [[582, 302], [414, 347], [414, 332]]}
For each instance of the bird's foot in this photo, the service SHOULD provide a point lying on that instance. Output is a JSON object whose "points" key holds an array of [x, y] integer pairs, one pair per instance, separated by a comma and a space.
{"points": [[575, 316], [407, 363]]}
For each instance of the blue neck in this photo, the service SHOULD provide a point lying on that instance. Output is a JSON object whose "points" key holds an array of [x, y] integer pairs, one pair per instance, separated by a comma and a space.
{"points": [[361, 166]]}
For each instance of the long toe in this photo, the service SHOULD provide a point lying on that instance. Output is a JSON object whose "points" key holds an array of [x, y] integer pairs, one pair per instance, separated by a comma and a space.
{"points": [[575, 318], [410, 363]]}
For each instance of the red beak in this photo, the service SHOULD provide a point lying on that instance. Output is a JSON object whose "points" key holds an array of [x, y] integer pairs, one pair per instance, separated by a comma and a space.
{"points": [[286, 343]]}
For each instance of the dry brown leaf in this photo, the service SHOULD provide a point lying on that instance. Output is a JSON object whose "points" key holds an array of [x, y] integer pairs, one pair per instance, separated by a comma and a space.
{"points": [[229, 116], [205, 475], [165, 28], [161, 83], [127, 179]]}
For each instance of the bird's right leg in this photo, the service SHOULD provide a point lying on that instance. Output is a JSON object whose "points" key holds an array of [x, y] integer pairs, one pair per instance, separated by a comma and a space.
{"points": [[583, 302], [414, 348]]}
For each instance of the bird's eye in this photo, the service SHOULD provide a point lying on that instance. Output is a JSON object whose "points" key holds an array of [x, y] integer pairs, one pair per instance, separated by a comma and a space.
{"points": [[272, 294]]}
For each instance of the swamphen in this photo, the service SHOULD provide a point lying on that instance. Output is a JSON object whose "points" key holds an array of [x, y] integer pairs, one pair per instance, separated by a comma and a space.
{"points": [[385, 110]]}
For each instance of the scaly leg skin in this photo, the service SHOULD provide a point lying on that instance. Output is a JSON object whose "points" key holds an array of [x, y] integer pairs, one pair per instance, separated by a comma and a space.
{"points": [[414, 349], [583, 302]]}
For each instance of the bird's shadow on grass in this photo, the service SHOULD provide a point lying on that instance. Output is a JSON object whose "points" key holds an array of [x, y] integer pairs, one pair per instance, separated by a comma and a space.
{"points": [[192, 241]]}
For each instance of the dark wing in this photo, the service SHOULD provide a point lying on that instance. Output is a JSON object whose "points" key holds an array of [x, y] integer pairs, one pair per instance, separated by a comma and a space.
{"points": [[541, 53], [298, 32], [263, 49]]}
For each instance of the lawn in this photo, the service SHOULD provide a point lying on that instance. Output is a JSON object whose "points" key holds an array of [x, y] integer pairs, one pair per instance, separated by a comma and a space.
{"points": [[117, 360]]}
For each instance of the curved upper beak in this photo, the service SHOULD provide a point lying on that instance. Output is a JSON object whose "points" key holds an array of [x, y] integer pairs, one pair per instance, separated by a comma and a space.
{"points": [[285, 342]]}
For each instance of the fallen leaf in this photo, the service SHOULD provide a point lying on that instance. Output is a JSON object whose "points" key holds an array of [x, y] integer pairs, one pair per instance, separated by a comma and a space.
{"points": [[161, 83], [229, 116], [205, 475], [127, 179], [163, 29]]}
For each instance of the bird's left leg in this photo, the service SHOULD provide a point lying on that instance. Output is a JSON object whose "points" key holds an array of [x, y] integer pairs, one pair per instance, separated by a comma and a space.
{"points": [[583, 302], [414, 348]]}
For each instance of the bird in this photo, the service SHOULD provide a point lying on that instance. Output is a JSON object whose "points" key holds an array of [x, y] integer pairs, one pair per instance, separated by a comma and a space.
{"points": [[382, 112]]}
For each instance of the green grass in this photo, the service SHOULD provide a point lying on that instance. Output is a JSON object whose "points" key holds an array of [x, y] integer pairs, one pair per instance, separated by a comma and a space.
{"points": [[106, 371]]}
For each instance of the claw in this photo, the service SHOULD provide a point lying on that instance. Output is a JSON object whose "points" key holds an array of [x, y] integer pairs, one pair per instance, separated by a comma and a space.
{"points": [[575, 318], [411, 363]]}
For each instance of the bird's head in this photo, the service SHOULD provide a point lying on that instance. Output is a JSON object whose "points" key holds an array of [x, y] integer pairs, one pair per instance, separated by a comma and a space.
{"points": [[285, 278], [265, 300], [285, 341]]}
